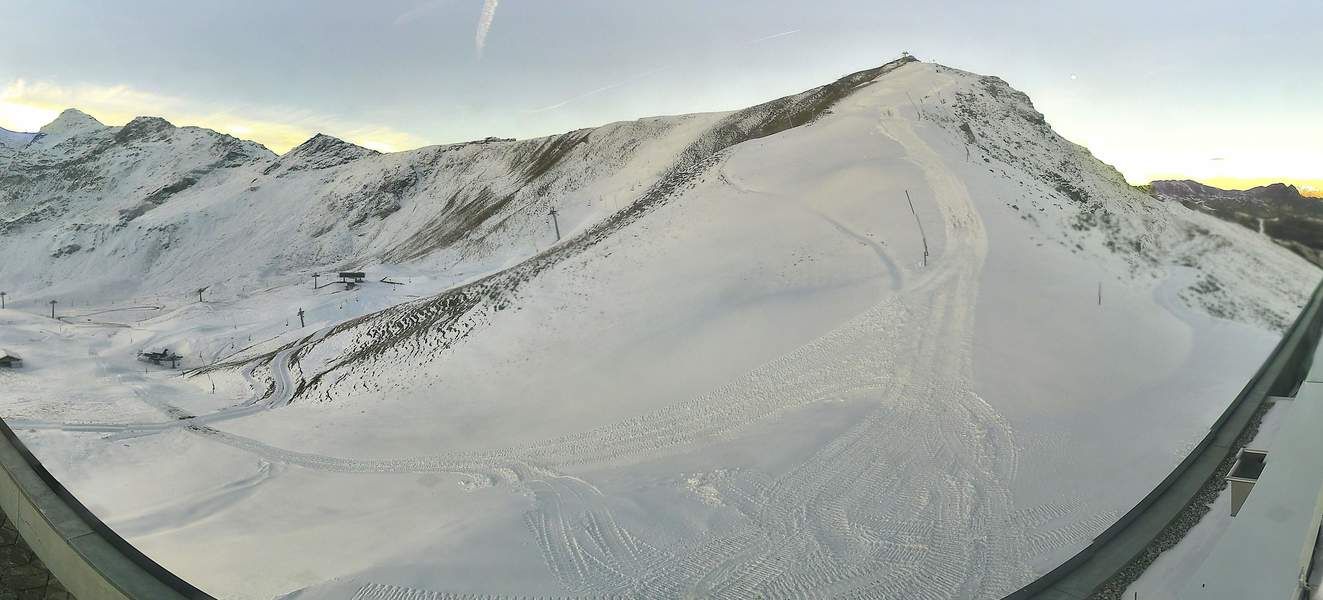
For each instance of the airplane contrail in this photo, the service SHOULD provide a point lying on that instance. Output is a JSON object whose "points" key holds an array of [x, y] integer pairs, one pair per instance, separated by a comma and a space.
{"points": [[599, 90], [485, 24], [773, 36]]}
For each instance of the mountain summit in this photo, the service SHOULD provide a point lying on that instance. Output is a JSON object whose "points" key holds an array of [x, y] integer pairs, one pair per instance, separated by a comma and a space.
{"points": [[71, 121], [321, 151]]}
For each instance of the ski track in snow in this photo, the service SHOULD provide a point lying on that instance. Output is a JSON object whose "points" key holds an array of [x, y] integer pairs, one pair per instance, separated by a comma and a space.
{"points": [[281, 394]]}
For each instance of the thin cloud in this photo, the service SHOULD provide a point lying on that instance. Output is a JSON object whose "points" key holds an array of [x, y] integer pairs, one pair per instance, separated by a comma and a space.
{"points": [[485, 25], [419, 11]]}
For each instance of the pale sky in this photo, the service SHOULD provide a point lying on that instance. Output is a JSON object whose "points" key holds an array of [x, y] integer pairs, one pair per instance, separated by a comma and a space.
{"points": [[1228, 92]]}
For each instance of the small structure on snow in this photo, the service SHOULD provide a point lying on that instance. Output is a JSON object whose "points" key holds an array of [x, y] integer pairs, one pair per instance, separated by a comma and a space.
{"points": [[9, 360], [160, 358], [351, 278], [1244, 474]]}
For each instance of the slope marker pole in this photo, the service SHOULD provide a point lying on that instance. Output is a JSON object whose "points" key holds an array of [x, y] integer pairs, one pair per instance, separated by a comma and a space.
{"points": [[921, 233], [916, 104]]}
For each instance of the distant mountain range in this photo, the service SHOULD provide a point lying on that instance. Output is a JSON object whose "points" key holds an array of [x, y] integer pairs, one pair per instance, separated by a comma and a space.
{"points": [[1279, 211]]}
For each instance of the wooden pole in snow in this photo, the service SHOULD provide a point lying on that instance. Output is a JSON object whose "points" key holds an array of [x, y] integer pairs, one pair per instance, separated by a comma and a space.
{"points": [[921, 233], [916, 105], [555, 223]]}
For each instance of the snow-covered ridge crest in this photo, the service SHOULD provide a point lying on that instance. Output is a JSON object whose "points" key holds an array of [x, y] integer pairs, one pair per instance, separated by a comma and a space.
{"points": [[321, 151]]}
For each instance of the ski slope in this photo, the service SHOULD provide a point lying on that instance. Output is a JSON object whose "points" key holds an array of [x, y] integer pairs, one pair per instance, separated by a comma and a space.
{"points": [[737, 374]]}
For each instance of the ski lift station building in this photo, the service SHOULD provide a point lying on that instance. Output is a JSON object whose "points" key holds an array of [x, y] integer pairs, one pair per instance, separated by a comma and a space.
{"points": [[9, 360]]}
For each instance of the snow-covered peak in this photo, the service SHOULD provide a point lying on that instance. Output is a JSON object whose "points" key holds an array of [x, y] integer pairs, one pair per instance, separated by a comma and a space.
{"points": [[321, 151], [144, 128], [322, 145], [72, 121]]}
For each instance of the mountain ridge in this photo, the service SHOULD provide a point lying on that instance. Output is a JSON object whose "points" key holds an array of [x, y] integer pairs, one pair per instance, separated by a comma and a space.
{"points": [[361, 206], [1278, 210]]}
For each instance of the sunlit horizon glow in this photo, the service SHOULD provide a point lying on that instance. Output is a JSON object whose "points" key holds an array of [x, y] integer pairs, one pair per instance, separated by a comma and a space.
{"points": [[1307, 187], [26, 106], [1205, 91]]}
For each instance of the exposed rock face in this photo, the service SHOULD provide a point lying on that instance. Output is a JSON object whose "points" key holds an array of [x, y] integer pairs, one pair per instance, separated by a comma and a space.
{"points": [[1278, 210]]}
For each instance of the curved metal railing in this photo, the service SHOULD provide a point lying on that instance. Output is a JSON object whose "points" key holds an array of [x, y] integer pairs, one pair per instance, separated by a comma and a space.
{"points": [[82, 552]]}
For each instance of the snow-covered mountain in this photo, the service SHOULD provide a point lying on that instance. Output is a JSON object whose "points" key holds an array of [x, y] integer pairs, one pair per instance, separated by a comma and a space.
{"points": [[1278, 210], [153, 207], [14, 139], [11, 141], [891, 337], [114, 212]]}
